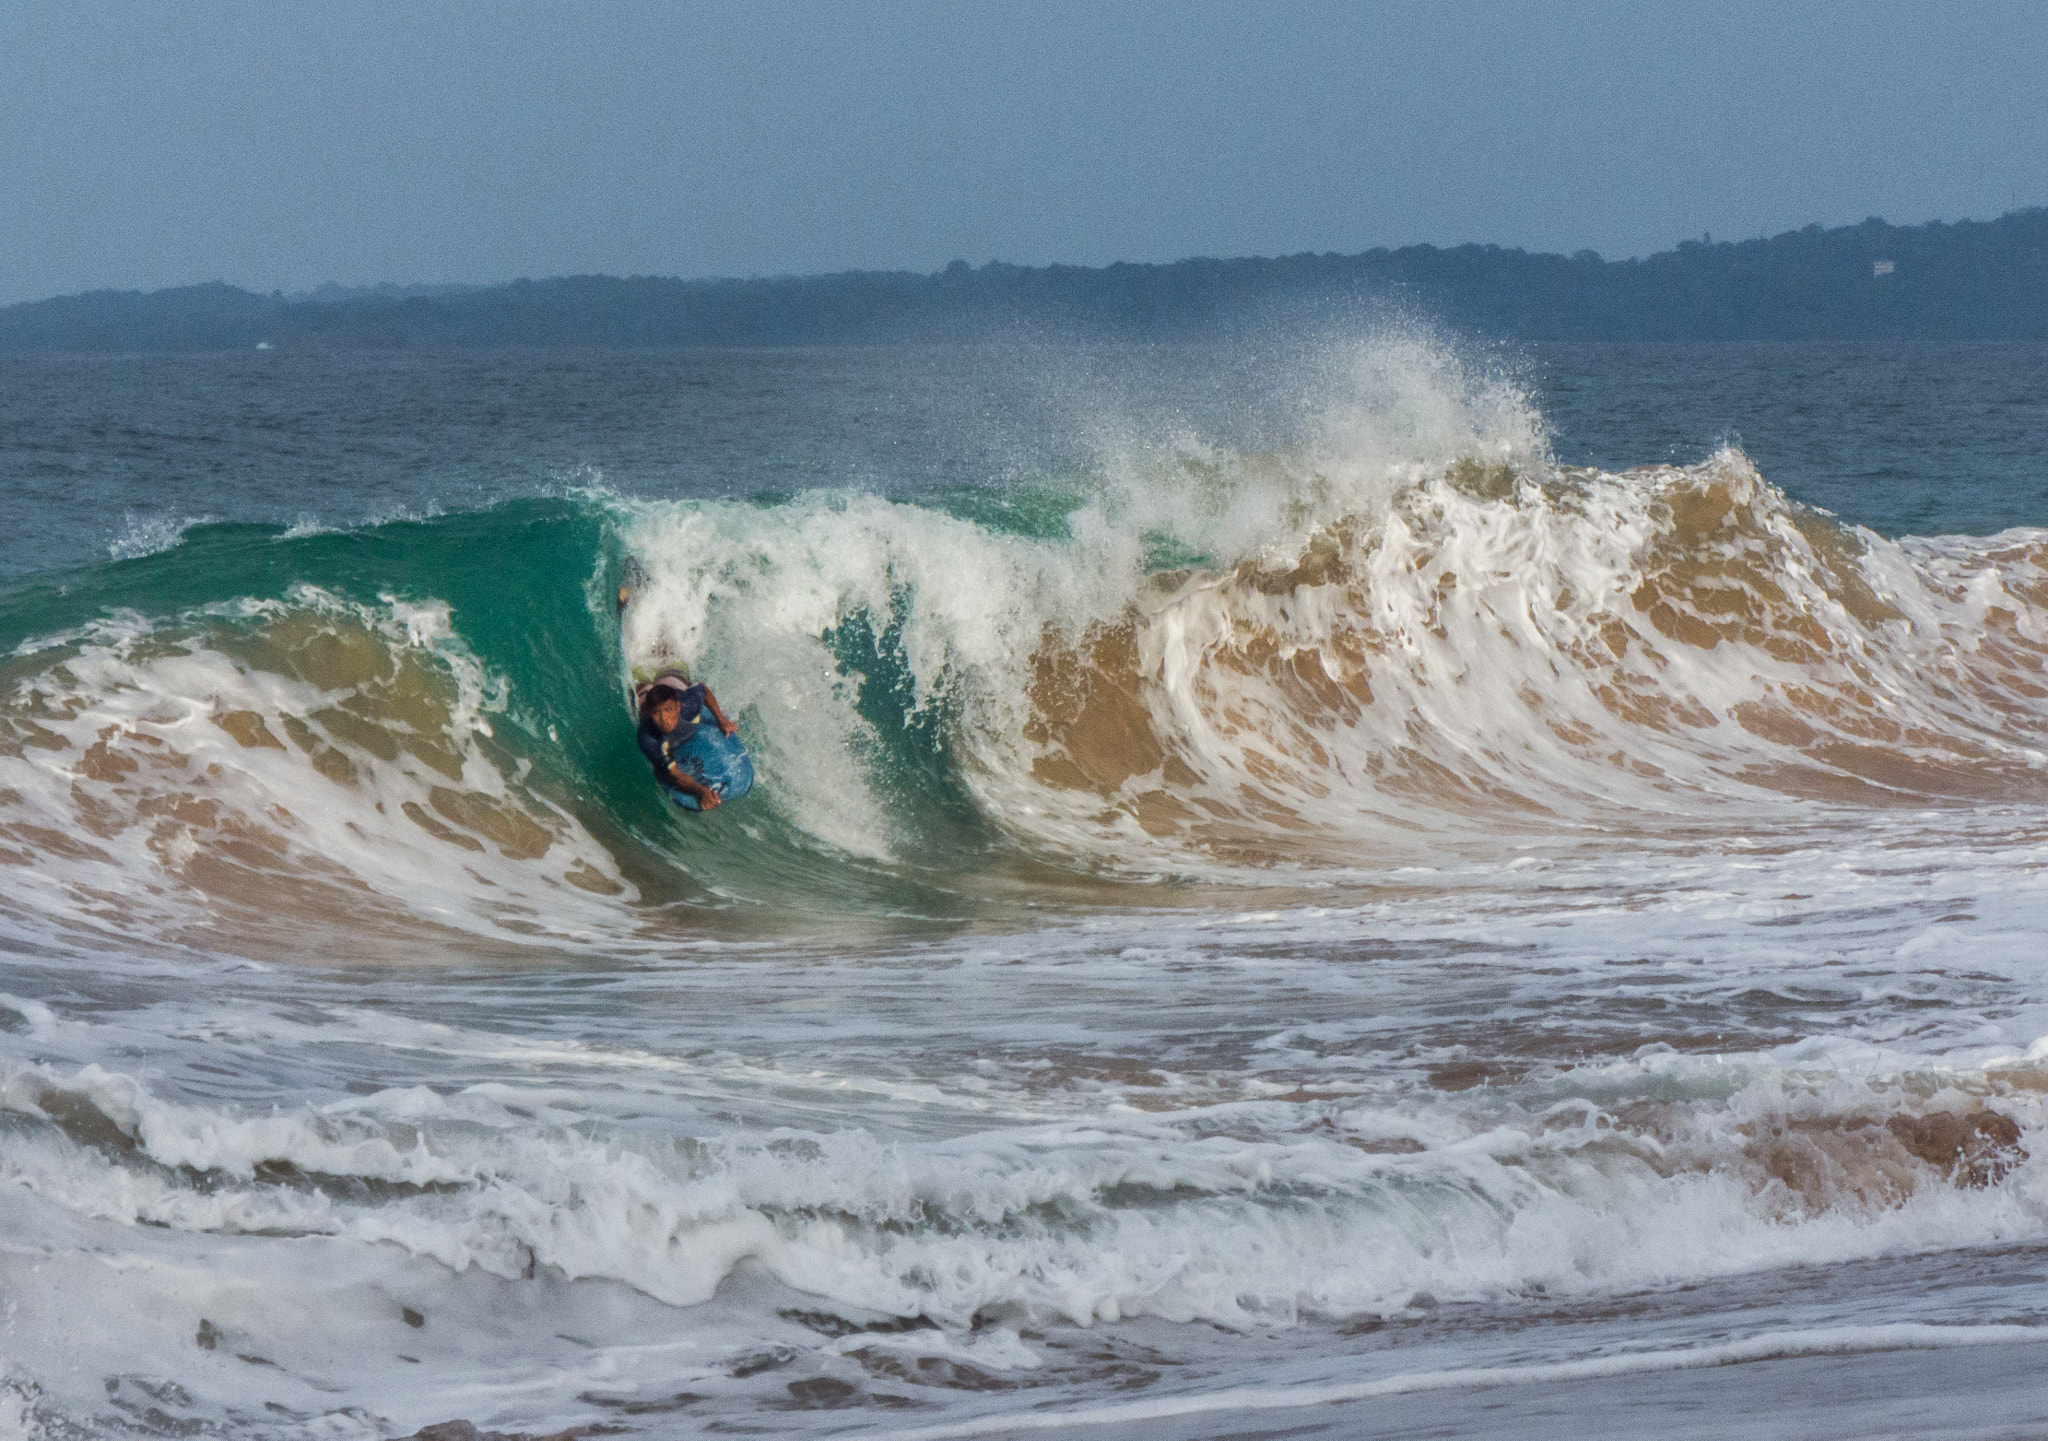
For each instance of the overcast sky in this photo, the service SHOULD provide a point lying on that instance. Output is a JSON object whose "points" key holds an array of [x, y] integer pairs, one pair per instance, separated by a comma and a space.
{"points": [[281, 145]]}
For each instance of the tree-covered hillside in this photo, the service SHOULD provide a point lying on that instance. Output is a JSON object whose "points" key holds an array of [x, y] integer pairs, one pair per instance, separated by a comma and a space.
{"points": [[1973, 280]]}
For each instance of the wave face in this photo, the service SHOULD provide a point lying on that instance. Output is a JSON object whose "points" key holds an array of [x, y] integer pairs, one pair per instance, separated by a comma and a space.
{"points": [[1408, 635]]}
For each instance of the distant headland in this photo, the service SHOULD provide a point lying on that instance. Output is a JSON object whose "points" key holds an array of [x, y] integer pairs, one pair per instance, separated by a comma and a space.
{"points": [[1971, 280]]}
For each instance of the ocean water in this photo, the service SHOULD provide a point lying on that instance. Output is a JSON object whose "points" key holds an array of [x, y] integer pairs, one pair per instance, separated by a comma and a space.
{"points": [[1361, 885]]}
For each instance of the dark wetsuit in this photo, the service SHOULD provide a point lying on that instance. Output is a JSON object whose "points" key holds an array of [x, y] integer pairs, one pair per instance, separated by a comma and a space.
{"points": [[658, 748]]}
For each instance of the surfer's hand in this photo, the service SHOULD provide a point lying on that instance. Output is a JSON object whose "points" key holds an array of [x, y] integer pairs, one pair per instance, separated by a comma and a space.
{"points": [[708, 801], [727, 727]]}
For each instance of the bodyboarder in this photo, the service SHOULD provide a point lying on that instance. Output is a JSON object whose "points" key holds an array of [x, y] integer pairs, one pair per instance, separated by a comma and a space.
{"points": [[670, 705]]}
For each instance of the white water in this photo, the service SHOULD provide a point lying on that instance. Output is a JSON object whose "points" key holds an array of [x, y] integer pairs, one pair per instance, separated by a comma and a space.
{"points": [[1191, 1117], [311, 762]]}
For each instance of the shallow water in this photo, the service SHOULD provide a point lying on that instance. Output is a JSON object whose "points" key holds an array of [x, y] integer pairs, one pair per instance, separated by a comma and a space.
{"points": [[1276, 873]]}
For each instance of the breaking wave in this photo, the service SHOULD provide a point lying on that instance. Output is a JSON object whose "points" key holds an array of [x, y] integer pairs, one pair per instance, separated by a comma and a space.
{"points": [[1247, 1212], [1405, 633]]}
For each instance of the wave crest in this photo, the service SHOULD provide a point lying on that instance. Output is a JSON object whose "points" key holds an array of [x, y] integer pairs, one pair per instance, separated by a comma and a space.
{"points": [[1567, 646], [268, 766], [1409, 629]]}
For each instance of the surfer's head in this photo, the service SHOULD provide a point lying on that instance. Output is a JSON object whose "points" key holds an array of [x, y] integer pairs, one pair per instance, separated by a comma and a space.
{"points": [[664, 707]]}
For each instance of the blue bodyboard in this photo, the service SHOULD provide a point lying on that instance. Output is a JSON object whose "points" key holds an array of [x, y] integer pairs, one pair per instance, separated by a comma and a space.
{"points": [[718, 761]]}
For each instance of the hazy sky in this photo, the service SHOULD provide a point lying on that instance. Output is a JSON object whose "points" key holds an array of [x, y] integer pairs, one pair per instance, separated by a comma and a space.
{"points": [[281, 145]]}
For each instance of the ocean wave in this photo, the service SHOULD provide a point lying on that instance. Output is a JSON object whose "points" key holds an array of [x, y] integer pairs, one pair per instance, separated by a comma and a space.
{"points": [[1359, 651], [1241, 1215], [1402, 636], [257, 768]]}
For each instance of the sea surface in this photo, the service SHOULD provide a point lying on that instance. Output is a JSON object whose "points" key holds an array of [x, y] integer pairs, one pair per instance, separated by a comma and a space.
{"points": [[1359, 885]]}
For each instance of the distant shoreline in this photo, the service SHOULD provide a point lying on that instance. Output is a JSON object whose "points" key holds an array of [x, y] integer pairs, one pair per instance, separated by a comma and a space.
{"points": [[1970, 280]]}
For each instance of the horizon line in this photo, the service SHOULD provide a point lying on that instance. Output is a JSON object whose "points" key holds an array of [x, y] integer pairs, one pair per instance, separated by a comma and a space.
{"points": [[404, 289]]}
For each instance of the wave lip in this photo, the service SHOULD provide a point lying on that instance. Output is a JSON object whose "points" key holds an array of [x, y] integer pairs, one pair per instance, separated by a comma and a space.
{"points": [[151, 535]]}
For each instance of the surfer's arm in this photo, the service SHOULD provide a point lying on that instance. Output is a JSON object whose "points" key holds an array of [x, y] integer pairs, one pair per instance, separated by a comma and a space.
{"points": [[649, 741], [711, 704], [690, 786]]}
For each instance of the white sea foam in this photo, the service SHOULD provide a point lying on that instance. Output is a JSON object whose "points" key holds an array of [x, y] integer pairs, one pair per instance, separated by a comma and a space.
{"points": [[150, 534], [17, 1421], [330, 756], [927, 1165], [1225, 1216], [1245, 1215]]}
